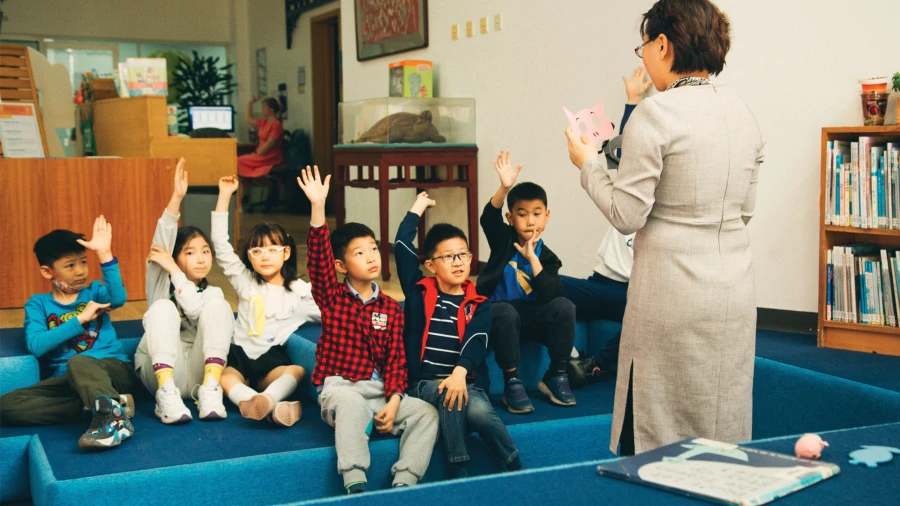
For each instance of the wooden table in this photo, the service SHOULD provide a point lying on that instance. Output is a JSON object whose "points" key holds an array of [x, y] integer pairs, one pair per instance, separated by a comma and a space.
{"points": [[38, 195], [373, 163]]}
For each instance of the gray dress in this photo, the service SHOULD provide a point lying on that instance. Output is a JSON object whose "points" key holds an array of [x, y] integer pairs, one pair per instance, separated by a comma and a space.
{"points": [[687, 185]]}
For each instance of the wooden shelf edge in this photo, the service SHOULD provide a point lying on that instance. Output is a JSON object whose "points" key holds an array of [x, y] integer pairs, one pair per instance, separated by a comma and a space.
{"points": [[862, 231], [860, 327], [881, 129]]}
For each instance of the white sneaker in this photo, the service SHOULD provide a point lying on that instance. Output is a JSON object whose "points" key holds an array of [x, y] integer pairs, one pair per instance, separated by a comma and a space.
{"points": [[209, 401], [170, 409]]}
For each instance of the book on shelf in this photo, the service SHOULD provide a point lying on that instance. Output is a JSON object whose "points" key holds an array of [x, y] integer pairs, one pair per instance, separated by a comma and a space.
{"points": [[862, 185], [863, 285]]}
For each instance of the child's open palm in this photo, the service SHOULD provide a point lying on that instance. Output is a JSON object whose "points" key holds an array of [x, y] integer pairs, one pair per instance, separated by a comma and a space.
{"points": [[527, 251], [312, 185], [101, 240], [181, 180], [505, 170]]}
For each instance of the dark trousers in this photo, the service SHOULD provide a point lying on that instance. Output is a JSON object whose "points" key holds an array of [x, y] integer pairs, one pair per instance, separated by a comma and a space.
{"points": [[550, 323], [596, 298], [63, 398], [477, 416]]}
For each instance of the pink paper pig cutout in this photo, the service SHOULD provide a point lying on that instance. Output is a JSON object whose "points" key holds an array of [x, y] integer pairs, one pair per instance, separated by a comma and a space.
{"points": [[809, 446], [597, 126]]}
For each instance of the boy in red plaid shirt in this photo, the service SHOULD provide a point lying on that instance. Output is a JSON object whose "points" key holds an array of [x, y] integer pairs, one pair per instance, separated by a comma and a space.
{"points": [[360, 361]]}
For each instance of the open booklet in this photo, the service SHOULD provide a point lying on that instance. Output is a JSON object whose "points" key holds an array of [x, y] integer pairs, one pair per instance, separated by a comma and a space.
{"points": [[720, 472]]}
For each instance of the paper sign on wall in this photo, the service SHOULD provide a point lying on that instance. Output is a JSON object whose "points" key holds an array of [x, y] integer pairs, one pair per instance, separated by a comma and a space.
{"points": [[19, 131]]}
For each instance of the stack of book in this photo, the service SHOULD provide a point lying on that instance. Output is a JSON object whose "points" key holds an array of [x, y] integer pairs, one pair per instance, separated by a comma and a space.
{"points": [[862, 184], [863, 285]]}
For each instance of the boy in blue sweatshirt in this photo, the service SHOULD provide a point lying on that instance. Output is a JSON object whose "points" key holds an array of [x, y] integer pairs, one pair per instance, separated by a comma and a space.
{"points": [[68, 329], [446, 338]]}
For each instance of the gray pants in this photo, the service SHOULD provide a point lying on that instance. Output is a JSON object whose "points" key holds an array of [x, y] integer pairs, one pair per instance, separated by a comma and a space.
{"points": [[349, 407], [164, 342]]}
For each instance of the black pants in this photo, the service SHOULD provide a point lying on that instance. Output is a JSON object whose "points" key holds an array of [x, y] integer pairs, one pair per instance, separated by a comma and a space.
{"points": [[62, 399], [550, 323]]}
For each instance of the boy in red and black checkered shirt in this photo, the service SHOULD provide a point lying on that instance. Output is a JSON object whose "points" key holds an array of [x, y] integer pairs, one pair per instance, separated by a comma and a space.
{"points": [[360, 361]]}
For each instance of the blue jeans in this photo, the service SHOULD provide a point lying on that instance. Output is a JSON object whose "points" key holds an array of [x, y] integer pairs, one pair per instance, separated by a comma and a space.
{"points": [[598, 298], [478, 416]]}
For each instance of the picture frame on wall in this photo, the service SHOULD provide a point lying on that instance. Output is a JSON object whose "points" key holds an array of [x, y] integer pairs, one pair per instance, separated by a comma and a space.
{"points": [[385, 27], [262, 82]]}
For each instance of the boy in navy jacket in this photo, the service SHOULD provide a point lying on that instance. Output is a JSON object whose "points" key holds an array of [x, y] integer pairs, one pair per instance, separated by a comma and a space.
{"points": [[446, 339]]}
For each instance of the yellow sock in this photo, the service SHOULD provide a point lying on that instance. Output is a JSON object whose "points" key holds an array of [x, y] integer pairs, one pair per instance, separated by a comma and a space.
{"points": [[163, 374], [213, 369]]}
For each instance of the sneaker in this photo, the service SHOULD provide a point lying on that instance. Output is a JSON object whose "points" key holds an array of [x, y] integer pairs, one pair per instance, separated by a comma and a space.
{"points": [[286, 413], [170, 409], [558, 390], [209, 402], [108, 428], [257, 407], [515, 398], [356, 488]]}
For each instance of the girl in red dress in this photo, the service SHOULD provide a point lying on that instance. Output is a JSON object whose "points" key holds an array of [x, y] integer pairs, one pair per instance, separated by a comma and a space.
{"points": [[268, 153]]}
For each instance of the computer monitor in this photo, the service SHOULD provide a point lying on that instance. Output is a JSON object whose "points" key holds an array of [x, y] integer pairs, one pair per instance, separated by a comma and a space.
{"points": [[211, 116]]}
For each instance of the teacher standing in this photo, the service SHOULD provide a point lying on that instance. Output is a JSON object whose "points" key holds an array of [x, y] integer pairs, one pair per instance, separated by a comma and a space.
{"points": [[687, 186]]}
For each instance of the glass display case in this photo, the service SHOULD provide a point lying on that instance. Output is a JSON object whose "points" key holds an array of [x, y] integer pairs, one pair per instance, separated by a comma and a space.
{"points": [[396, 120]]}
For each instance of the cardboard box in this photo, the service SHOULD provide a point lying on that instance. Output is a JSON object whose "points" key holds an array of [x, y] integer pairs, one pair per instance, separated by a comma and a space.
{"points": [[103, 88], [411, 78]]}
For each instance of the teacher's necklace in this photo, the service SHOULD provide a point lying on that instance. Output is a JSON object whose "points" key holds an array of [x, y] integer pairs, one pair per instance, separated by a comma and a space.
{"points": [[689, 81]]}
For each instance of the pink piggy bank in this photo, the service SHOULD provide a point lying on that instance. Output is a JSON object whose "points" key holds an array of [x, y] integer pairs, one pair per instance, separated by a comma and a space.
{"points": [[809, 446]]}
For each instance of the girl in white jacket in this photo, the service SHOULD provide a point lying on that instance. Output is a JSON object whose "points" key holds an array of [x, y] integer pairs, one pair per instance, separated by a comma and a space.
{"points": [[188, 325], [272, 304]]}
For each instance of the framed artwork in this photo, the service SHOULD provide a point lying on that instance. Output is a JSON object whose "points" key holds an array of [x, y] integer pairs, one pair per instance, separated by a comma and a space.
{"points": [[385, 27], [262, 81]]}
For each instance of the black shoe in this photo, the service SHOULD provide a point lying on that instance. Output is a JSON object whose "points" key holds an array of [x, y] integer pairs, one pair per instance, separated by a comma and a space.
{"points": [[109, 427]]}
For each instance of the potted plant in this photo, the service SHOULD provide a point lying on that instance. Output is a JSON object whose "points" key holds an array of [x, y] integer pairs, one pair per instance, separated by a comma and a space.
{"points": [[201, 82], [896, 85]]}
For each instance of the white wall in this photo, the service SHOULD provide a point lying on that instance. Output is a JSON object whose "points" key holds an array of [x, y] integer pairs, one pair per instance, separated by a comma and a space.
{"points": [[267, 31], [796, 63], [162, 20]]}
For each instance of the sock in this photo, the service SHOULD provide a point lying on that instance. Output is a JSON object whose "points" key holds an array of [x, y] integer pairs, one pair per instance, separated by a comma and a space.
{"points": [[556, 369], [509, 375], [164, 373], [356, 488], [240, 392], [212, 371], [281, 388]]}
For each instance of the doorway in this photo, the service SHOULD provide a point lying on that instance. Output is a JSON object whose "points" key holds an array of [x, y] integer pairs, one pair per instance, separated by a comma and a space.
{"points": [[327, 90]]}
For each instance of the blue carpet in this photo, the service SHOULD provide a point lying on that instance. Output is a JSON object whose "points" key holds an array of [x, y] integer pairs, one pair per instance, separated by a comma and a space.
{"points": [[800, 350], [579, 484], [155, 445]]}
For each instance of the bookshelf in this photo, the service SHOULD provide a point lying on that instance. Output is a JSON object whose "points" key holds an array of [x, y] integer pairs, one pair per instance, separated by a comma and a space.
{"points": [[852, 336]]}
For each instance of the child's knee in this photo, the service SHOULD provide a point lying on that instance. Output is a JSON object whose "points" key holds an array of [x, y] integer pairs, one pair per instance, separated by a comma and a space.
{"points": [[161, 309], [79, 362], [215, 310], [296, 371], [504, 315], [563, 308]]}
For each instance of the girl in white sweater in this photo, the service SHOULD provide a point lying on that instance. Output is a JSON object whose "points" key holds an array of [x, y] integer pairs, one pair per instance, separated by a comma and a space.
{"points": [[272, 304], [188, 324]]}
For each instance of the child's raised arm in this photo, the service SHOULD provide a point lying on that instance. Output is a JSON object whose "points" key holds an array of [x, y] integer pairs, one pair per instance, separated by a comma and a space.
{"points": [[320, 258], [405, 253], [112, 290], [164, 237], [236, 271], [507, 175]]}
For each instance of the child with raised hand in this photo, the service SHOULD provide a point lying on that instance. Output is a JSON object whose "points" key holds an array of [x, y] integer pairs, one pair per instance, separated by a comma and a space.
{"points": [[446, 339], [360, 362], [188, 324], [272, 304], [69, 331], [522, 280]]}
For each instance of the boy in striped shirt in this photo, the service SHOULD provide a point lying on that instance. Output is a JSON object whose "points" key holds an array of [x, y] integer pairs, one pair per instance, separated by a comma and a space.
{"points": [[446, 339]]}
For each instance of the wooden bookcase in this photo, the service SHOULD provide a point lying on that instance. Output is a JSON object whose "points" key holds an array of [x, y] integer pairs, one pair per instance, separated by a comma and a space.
{"points": [[852, 336]]}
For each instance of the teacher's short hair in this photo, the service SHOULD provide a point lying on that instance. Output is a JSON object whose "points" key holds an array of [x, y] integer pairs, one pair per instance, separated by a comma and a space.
{"points": [[698, 30]]}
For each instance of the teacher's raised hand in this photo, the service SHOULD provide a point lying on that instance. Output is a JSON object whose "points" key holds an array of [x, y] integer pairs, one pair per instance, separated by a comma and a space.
{"points": [[580, 150]]}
